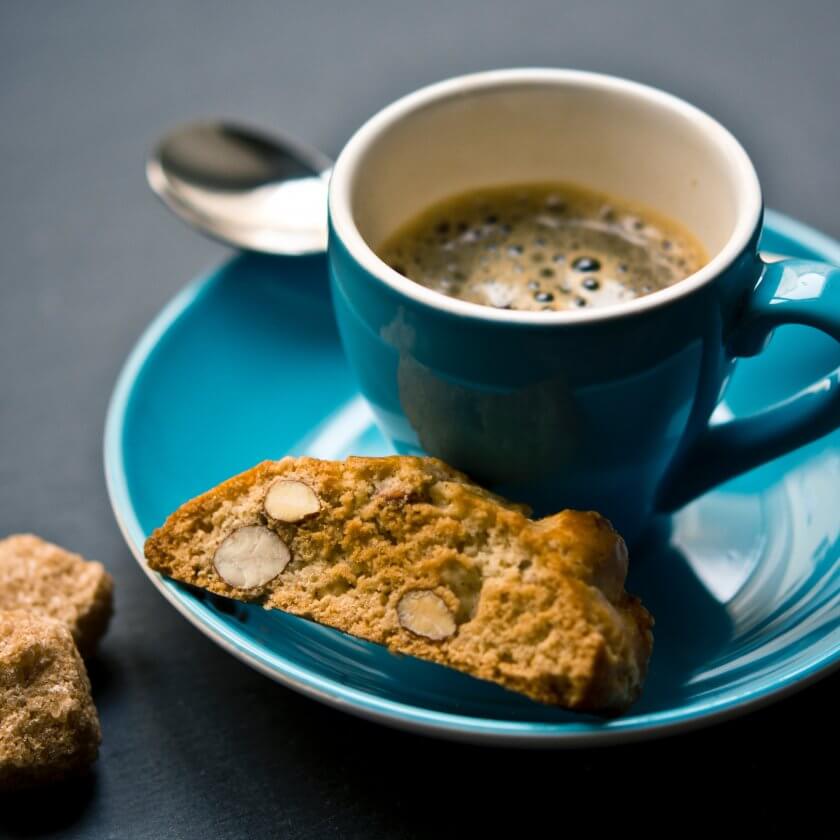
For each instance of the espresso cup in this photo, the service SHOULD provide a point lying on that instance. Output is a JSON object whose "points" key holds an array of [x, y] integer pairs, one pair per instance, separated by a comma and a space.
{"points": [[605, 408]]}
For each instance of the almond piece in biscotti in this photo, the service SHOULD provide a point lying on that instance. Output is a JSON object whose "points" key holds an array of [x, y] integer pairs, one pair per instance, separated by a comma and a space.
{"points": [[426, 614], [291, 501], [251, 557]]}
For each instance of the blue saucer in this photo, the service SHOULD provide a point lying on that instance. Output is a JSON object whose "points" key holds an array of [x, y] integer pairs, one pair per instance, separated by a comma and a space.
{"points": [[745, 582]]}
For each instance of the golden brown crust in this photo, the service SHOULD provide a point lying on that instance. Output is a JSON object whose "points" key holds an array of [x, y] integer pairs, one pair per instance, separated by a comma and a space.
{"points": [[44, 578], [49, 728], [539, 606]]}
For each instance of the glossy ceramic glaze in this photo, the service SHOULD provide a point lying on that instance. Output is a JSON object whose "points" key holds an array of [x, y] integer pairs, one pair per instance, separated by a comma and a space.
{"points": [[605, 408], [744, 582]]}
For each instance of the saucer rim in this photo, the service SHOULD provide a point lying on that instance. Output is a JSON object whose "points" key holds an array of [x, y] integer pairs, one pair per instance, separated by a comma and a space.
{"points": [[396, 714]]}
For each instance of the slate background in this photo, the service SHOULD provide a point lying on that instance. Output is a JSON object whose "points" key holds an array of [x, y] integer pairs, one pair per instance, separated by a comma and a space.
{"points": [[195, 744]]}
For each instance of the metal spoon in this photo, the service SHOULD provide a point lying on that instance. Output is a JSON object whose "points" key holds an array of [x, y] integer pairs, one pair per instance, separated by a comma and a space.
{"points": [[244, 187]]}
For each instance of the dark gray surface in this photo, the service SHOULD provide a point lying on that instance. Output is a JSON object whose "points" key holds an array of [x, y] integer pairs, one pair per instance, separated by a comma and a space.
{"points": [[195, 744]]}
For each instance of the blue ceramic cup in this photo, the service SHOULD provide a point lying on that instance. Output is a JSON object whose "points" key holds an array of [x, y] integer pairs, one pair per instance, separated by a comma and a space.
{"points": [[609, 408]]}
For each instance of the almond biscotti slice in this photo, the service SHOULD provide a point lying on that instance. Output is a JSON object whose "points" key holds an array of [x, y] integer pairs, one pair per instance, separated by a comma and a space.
{"points": [[408, 553]]}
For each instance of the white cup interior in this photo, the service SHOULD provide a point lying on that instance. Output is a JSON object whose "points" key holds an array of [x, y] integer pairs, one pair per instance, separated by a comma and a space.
{"points": [[503, 127]]}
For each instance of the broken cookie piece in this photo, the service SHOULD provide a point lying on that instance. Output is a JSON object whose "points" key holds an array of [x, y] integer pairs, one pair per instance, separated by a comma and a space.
{"points": [[49, 728], [41, 577], [409, 553]]}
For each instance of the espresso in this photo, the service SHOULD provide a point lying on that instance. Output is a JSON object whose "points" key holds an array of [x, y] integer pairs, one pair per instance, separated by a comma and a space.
{"points": [[542, 247]]}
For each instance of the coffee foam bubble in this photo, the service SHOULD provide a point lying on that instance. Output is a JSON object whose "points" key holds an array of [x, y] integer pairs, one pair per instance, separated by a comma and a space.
{"points": [[542, 247]]}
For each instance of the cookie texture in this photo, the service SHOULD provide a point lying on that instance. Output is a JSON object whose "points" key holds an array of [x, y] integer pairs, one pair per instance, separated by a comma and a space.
{"points": [[49, 728], [38, 576], [409, 553]]}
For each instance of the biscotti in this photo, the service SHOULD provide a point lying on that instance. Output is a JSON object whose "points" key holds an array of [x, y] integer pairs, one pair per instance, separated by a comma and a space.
{"points": [[40, 577], [49, 728], [408, 553]]}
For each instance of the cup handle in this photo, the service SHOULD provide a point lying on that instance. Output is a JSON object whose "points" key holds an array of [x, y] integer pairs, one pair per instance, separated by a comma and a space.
{"points": [[789, 291]]}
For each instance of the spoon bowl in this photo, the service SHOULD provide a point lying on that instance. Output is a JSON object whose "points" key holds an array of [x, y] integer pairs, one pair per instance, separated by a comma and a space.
{"points": [[244, 187]]}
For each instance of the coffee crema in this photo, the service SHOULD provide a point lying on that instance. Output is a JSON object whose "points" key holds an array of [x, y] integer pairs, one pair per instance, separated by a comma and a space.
{"points": [[545, 246]]}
